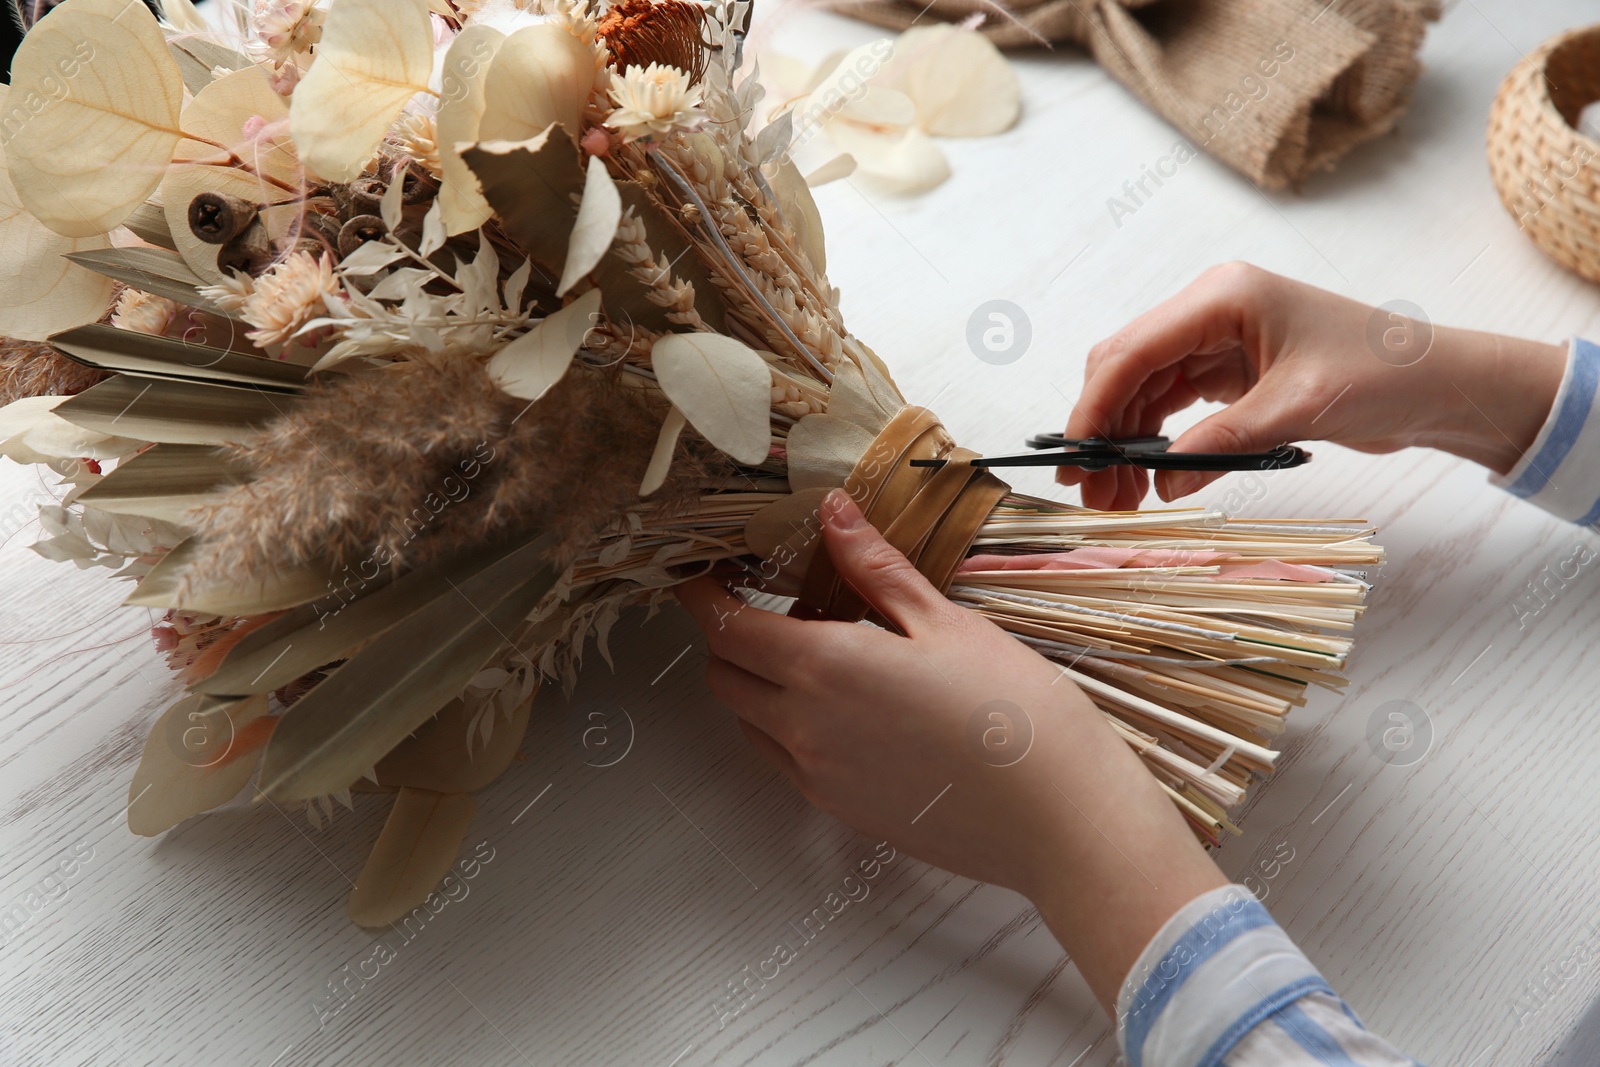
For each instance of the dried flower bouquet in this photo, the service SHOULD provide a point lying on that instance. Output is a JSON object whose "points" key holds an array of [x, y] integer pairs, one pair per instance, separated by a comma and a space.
{"points": [[392, 347]]}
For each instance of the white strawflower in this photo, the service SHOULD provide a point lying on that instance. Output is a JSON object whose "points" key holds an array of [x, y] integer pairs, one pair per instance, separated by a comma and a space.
{"points": [[141, 312], [231, 292], [288, 296], [652, 101]]}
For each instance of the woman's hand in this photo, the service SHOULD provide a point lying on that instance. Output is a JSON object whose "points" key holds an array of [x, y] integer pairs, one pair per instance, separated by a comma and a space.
{"points": [[960, 746], [1296, 363]]}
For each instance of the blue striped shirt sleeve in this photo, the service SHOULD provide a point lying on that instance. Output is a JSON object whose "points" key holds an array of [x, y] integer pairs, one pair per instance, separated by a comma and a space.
{"points": [[1561, 472], [1222, 985]]}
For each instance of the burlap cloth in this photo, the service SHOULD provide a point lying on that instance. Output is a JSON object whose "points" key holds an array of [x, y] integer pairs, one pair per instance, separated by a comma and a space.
{"points": [[1274, 88]]}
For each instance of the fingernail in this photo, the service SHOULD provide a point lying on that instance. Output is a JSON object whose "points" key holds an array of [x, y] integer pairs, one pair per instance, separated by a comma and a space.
{"points": [[1181, 483], [840, 512]]}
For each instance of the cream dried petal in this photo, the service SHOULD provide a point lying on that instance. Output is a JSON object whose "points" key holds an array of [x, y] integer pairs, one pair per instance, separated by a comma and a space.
{"points": [[878, 107], [961, 84], [840, 166], [907, 160]]}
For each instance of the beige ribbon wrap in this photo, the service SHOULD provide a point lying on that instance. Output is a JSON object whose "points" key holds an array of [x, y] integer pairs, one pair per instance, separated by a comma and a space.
{"points": [[931, 514], [1277, 89]]}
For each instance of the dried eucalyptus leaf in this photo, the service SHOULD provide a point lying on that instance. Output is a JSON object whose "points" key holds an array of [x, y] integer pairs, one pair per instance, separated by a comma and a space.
{"points": [[86, 157], [722, 386], [655, 475], [40, 290], [31, 432], [800, 211], [530, 365], [461, 103], [598, 215], [196, 75], [540, 75], [374, 56], [531, 185], [220, 113], [416, 849], [786, 534], [852, 399], [790, 519], [211, 54], [197, 756], [824, 449]]}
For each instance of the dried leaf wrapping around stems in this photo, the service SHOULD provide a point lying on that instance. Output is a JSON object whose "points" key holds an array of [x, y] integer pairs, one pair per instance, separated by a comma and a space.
{"points": [[422, 461], [30, 368]]}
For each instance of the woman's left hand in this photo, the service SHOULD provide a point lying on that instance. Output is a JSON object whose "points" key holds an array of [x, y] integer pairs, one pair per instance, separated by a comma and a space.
{"points": [[958, 745]]}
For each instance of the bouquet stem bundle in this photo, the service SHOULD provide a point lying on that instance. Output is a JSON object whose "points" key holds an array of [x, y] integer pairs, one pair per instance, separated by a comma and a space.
{"points": [[392, 347]]}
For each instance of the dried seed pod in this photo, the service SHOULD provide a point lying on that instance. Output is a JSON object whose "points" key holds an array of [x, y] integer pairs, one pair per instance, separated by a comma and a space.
{"points": [[363, 196], [250, 251], [419, 186], [323, 227], [358, 231], [309, 245], [690, 214], [217, 218]]}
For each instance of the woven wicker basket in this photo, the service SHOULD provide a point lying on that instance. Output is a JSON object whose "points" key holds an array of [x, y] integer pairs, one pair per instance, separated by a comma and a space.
{"points": [[1548, 173]]}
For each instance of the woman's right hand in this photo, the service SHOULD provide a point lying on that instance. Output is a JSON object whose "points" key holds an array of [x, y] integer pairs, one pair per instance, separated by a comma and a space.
{"points": [[1297, 363]]}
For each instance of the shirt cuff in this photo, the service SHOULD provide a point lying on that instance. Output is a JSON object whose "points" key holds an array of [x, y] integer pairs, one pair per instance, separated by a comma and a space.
{"points": [[1561, 471], [1216, 969]]}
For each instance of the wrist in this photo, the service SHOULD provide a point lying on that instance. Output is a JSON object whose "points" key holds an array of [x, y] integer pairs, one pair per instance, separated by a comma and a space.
{"points": [[1498, 395], [1121, 862]]}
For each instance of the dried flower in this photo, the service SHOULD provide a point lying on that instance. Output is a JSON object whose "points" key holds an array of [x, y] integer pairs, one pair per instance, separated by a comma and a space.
{"points": [[283, 29], [418, 133], [231, 292], [141, 312], [652, 101], [429, 460], [669, 32], [288, 296]]}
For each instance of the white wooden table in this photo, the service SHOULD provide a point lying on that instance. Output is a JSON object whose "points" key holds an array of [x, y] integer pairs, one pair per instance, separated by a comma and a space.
{"points": [[623, 904]]}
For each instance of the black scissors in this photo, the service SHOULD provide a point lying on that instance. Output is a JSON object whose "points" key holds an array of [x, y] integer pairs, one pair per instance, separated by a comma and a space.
{"points": [[1098, 453]]}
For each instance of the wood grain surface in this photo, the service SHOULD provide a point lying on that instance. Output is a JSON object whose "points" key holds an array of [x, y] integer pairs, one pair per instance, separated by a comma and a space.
{"points": [[652, 895]]}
